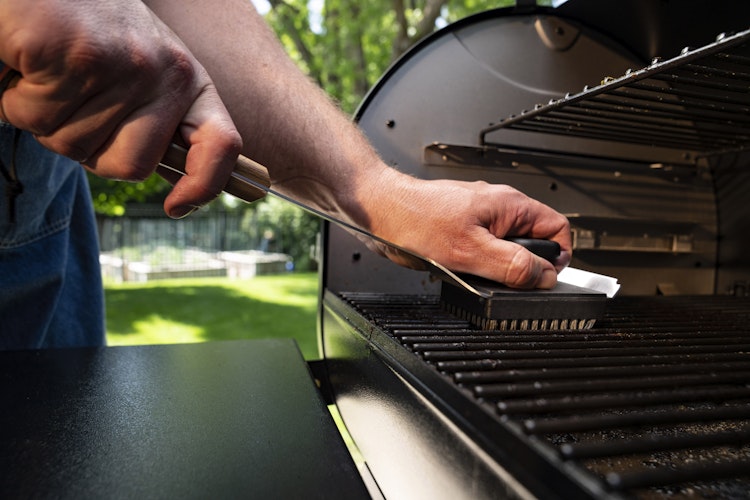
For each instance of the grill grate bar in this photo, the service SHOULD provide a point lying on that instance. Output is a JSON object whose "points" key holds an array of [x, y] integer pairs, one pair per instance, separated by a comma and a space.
{"points": [[457, 365], [667, 119], [640, 123], [654, 443], [544, 388], [726, 82], [671, 104], [718, 107], [521, 352], [686, 473], [579, 423], [676, 334], [597, 372], [633, 399], [592, 345]]}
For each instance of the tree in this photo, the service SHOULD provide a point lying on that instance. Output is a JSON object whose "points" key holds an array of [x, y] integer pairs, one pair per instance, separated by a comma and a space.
{"points": [[346, 45], [110, 197]]}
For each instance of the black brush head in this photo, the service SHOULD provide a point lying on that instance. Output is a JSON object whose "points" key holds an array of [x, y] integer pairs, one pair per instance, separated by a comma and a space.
{"points": [[564, 307]]}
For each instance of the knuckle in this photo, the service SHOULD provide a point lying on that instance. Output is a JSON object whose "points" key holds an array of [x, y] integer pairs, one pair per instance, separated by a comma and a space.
{"points": [[521, 270], [225, 135], [132, 172], [67, 148], [191, 192], [563, 222], [181, 73], [231, 142], [40, 126], [458, 253], [105, 167], [234, 139]]}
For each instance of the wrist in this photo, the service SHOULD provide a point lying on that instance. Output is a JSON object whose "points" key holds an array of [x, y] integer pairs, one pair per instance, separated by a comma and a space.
{"points": [[388, 199]]}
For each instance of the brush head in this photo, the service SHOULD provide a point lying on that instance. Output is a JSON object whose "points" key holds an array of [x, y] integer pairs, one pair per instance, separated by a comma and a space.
{"points": [[564, 307]]}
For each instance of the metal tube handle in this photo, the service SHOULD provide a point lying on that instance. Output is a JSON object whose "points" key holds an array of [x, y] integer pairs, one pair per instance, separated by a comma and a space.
{"points": [[175, 157]]}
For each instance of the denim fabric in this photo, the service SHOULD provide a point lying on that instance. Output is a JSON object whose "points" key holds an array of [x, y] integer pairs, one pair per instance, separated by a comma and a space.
{"points": [[50, 282]]}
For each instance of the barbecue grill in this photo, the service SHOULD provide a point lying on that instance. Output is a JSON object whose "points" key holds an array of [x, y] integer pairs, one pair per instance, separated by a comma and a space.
{"points": [[632, 118]]}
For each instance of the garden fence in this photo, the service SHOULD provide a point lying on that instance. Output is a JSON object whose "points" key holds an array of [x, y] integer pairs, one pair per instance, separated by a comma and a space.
{"points": [[145, 245]]}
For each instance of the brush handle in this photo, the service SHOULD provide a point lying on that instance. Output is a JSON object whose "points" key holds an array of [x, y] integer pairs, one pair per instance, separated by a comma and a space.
{"points": [[176, 156], [546, 249]]}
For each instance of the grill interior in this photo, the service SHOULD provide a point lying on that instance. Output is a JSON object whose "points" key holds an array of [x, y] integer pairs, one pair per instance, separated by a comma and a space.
{"points": [[648, 403], [695, 102], [651, 167]]}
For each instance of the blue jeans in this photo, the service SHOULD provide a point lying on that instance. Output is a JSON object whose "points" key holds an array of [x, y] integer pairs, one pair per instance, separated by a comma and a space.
{"points": [[50, 283]]}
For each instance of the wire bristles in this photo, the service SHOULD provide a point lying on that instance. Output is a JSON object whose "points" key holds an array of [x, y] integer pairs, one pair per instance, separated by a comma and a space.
{"points": [[520, 324]]}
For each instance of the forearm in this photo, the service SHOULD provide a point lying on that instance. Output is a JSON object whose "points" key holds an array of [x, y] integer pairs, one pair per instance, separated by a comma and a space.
{"points": [[314, 152], [287, 123]]}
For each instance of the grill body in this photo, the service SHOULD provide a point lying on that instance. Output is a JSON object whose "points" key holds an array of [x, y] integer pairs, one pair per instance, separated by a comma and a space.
{"points": [[441, 409]]}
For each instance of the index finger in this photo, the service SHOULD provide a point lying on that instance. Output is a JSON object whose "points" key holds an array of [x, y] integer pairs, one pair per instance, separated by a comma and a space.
{"points": [[551, 225], [213, 147]]}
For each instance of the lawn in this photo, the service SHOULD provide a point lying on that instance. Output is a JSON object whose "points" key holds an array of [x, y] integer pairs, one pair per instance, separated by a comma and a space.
{"points": [[207, 309]]}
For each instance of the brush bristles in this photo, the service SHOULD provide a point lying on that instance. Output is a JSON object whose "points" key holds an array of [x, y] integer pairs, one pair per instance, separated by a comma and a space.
{"points": [[520, 324]]}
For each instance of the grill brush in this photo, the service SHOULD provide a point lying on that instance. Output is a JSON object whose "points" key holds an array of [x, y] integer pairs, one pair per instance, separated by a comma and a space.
{"points": [[567, 306]]}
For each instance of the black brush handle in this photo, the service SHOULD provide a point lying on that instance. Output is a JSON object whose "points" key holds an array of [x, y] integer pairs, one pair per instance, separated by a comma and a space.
{"points": [[546, 249]]}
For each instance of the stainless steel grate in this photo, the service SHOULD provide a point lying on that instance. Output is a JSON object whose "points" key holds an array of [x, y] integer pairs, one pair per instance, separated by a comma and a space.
{"points": [[698, 101], [655, 400]]}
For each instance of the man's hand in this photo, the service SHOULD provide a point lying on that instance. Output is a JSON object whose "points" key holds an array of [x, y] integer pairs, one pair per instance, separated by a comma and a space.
{"points": [[461, 225], [107, 84]]}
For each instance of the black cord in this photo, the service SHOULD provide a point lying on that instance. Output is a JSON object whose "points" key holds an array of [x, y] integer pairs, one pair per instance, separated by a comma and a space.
{"points": [[9, 76], [13, 186]]}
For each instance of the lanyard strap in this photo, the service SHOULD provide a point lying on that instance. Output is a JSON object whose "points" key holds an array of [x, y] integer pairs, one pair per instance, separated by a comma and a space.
{"points": [[13, 186]]}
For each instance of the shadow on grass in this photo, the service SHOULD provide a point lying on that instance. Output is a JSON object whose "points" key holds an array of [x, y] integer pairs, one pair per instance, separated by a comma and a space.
{"points": [[210, 312]]}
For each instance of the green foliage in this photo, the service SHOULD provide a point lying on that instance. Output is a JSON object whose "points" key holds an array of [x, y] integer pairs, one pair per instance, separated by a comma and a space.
{"points": [[459, 10], [111, 197], [349, 44]]}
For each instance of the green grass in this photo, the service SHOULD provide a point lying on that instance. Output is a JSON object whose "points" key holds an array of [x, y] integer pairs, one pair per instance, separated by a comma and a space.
{"points": [[209, 309]]}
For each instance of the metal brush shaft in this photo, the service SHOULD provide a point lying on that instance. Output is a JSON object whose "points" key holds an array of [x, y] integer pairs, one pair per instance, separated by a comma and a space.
{"points": [[250, 182]]}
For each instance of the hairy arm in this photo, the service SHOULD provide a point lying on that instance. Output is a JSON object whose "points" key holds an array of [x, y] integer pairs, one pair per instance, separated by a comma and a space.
{"points": [[314, 152]]}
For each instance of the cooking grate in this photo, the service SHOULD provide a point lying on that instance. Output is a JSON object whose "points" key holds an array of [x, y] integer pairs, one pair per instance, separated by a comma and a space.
{"points": [[697, 101], [655, 401]]}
